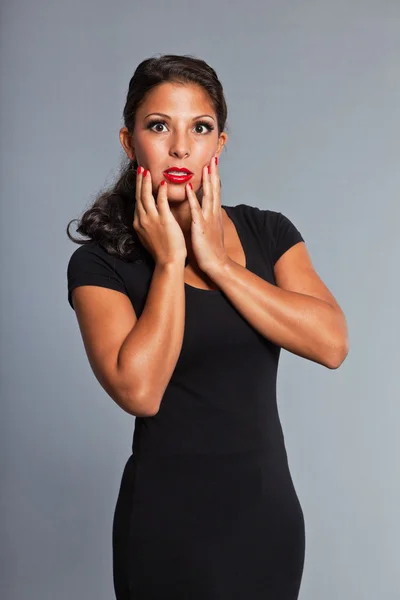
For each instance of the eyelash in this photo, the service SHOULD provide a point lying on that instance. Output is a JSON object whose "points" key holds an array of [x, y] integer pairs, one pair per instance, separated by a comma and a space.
{"points": [[157, 121]]}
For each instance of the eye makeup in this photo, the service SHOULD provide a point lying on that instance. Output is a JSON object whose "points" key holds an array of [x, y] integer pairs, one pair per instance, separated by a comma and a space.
{"points": [[205, 124]]}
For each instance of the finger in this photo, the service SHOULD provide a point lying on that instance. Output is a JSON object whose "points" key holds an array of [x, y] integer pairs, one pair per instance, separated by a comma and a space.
{"points": [[162, 199], [206, 204], [215, 183], [138, 195], [147, 194], [195, 207]]}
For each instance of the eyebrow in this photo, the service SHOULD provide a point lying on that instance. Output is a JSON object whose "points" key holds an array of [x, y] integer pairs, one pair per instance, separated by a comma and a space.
{"points": [[168, 117]]}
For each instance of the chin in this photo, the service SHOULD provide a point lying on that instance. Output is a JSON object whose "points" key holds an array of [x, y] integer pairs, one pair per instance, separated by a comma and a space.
{"points": [[177, 197], [177, 191]]}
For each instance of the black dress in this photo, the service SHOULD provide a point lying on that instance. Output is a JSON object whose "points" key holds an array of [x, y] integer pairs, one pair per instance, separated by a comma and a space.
{"points": [[207, 509]]}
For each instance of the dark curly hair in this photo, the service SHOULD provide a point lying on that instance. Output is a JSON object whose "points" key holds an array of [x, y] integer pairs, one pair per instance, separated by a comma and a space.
{"points": [[109, 221]]}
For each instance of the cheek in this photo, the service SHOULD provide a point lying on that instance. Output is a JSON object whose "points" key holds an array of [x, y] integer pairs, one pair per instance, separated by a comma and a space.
{"points": [[158, 158], [147, 149]]}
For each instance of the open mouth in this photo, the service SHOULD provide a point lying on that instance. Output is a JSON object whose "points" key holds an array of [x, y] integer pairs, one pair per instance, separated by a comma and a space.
{"points": [[175, 176]]}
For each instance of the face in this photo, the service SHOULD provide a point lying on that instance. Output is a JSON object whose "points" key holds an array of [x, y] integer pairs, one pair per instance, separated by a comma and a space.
{"points": [[186, 135]]}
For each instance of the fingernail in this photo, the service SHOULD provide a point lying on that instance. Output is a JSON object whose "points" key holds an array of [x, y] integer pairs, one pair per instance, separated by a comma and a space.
{"points": [[209, 170], [191, 187], [139, 170], [145, 173], [163, 182], [216, 160]]}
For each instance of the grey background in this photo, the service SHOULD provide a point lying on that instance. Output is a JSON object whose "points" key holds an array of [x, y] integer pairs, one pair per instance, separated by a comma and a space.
{"points": [[313, 92]]}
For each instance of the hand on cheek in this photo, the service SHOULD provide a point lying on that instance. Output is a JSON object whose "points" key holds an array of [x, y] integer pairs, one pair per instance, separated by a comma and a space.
{"points": [[207, 230]]}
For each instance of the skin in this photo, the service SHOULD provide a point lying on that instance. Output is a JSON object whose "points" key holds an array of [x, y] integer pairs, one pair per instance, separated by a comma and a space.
{"points": [[179, 140], [299, 313]]}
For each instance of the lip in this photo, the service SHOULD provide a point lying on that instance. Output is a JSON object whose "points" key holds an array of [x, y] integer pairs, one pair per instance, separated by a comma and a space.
{"points": [[183, 169], [178, 178]]}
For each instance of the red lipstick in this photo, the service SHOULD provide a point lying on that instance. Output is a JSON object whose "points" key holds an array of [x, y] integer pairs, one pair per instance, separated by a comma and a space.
{"points": [[177, 175]]}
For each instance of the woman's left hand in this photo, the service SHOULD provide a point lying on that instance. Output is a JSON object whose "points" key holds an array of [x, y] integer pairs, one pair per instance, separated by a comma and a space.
{"points": [[207, 231]]}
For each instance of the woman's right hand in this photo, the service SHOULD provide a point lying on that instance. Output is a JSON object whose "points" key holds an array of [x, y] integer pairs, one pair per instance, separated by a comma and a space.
{"points": [[156, 226]]}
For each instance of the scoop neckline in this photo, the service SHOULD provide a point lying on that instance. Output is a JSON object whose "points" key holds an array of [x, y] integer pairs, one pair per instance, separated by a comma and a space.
{"points": [[241, 238]]}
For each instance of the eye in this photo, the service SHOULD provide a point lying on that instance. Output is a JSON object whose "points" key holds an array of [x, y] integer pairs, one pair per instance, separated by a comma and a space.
{"points": [[151, 124], [205, 124]]}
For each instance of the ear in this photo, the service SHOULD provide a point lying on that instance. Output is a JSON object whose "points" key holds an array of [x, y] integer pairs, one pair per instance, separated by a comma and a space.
{"points": [[223, 137], [126, 139]]}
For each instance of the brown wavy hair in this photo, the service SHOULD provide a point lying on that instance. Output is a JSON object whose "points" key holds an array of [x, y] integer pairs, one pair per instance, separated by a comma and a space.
{"points": [[109, 220]]}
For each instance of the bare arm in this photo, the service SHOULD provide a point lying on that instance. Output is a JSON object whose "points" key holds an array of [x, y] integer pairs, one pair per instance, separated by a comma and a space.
{"points": [[299, 313], [149, 354], [133, 359]]}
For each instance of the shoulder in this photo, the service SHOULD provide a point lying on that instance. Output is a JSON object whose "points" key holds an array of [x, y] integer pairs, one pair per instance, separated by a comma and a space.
{"points": [[275, 230], [92, 255], [265, 217], [89, 250], [91, 264]]}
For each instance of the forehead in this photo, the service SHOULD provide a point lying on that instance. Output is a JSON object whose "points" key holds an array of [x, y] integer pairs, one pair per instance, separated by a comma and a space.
{"points": [[177, 98]]}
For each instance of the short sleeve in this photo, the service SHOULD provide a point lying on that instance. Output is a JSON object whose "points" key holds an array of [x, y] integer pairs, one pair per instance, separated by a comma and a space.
{"points": [[92, 265], [285, 235]]}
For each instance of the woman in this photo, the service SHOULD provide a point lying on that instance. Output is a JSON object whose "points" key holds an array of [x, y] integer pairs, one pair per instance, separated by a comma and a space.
{"points": [[183, 305]]}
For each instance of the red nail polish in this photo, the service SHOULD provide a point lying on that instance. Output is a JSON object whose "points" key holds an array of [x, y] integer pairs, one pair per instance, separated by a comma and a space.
{"points": [[216, 160], [191, 187], [145, 173], [209, 170], [139, 170], [163, 182]]}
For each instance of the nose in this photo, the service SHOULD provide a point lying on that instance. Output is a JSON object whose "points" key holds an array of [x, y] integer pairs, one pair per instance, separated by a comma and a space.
{"points": [[180, 146]]}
